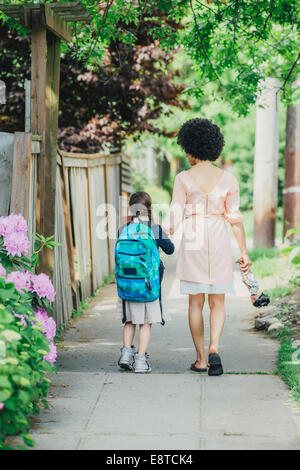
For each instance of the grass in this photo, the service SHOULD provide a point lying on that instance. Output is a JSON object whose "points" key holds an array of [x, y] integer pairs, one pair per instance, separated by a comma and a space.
{"points": [[266, 261], [289, 365], [278, 291], [262, 252]]}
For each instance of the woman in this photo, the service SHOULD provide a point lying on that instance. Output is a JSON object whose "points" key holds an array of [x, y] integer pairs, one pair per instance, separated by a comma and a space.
{"points": [[209, 196]]}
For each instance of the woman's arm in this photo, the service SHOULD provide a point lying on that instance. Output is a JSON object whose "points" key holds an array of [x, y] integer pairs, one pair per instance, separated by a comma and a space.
{"points": [[240, 235], [235, 218]]}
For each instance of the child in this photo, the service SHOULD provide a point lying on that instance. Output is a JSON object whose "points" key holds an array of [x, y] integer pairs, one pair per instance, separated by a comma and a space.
{"points": [[140, 313]]}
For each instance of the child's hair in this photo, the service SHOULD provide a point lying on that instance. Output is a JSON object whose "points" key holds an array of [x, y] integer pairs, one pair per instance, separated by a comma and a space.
{"points": [[141, 204]]}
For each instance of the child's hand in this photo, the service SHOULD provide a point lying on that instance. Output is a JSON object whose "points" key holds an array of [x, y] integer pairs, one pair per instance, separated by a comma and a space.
{"points": [[245, 263]]}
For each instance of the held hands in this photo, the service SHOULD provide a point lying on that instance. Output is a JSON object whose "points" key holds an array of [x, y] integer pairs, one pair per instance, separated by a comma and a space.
{"points": [[245, 263]]}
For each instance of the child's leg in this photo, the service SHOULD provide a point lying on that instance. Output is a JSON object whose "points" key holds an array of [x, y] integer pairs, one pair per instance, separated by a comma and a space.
{"points": [[128, 334], [217, 320], [144, 338], [196, 303]]}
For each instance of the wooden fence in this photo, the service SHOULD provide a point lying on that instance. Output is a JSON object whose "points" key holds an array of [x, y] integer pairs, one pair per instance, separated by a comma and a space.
{"points": [[86, 186]]}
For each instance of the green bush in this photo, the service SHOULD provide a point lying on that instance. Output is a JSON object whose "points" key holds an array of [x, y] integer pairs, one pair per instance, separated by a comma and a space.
{"points": [[23, 384], [27, 350]]}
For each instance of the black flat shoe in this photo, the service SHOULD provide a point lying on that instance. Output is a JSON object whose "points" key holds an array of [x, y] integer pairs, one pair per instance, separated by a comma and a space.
{"points": [[262, 301], [197, 369], [215, 364]]}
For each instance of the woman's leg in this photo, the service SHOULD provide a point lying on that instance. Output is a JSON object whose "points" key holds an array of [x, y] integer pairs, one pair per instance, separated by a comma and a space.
{"points": [[217, 320], [144, 338], [196, 303], [128, 334]]}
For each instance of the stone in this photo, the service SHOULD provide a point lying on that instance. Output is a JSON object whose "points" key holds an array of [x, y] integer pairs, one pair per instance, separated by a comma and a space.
{"points": [[270, 320], [276, 326], [267, 312], [260, 324]]}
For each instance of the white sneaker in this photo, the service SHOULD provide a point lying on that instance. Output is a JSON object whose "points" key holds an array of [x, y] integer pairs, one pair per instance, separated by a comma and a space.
{"points": [[141, 365], [127, 357]]}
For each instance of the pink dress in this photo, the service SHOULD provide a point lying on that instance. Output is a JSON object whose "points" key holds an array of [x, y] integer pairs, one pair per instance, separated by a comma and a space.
{"points": [[205, 254]]}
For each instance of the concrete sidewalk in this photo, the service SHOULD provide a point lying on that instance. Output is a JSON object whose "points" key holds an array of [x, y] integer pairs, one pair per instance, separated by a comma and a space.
{"points": [[94, 406]]}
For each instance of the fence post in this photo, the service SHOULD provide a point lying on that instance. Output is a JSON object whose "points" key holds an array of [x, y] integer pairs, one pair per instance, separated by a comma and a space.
{"points": [[67, 219], [21, 174], [107, 202], [90, 225]]}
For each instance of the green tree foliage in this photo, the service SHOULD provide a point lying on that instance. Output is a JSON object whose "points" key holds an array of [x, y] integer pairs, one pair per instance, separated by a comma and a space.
{"points": [[251, 39], [111, 86], [239, 133]]}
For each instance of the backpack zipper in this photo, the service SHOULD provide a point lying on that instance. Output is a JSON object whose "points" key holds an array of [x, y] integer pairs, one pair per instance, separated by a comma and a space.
{"points": [[147, 282], [131, 254]]}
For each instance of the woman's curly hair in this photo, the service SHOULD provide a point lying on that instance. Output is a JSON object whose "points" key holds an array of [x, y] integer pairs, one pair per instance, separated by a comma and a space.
{"points": [[201, 139]]}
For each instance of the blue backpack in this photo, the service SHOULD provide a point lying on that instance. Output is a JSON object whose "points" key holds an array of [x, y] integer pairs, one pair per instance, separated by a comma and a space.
{"points": [[137, 265]]}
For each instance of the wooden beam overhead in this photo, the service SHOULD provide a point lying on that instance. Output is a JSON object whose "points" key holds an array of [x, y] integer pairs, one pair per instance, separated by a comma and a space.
{"points": [[56, 24], [66, 11]]}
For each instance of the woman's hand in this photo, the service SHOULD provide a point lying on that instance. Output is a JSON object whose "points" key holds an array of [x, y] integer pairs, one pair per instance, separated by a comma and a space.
{"points": [[245, 263]]}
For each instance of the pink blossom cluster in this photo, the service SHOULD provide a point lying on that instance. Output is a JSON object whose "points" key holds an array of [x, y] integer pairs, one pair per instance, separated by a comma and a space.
{"points": [[52, 354], [48, 323], [13, 229], [42, 286], [39, 283], [21, 279]]}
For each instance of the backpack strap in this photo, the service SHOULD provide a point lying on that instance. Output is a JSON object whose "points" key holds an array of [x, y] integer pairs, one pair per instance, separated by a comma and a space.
{"points": [[161, 273], [124, 311], [161, 310]]}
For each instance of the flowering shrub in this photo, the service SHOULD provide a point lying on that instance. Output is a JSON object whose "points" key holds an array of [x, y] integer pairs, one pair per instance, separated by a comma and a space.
{"points": [[27, 350]]}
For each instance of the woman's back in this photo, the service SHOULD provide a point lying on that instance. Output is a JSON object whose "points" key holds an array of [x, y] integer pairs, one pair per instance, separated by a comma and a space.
{"points": [[206, 177]]}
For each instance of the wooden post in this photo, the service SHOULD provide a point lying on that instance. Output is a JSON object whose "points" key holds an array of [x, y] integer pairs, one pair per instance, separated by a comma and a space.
{"points": [[106, 183], [266, 164], [291, 192], [27, 105], [90, 225], [44, 121], [67, 219]]}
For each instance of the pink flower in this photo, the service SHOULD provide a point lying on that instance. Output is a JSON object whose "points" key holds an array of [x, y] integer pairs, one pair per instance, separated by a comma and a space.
{"points": [[40, 314], [20, 279], [13, 224], [48, 323], [50, 329], [16, 244], [52, 354], [2, 270], [43, 287], [1, 406]]}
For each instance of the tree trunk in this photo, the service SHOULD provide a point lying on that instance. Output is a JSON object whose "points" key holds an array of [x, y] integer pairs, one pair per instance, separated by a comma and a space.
{"points": [[291, 192], [266, 164]]}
